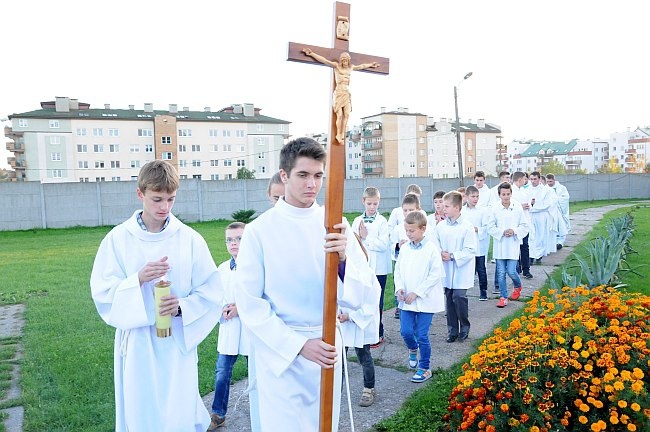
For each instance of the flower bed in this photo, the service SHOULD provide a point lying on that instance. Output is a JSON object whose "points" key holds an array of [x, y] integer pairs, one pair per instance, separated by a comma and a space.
{"points": [[577, 360]]}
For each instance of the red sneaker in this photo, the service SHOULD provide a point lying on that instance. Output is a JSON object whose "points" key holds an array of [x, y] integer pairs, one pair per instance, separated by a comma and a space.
{"points": [[516, 294], [502, 302]]}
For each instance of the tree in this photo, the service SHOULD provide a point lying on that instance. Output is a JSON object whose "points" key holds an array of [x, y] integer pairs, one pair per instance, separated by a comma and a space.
{"points": [[612, 167], [4, 175], [647, 168], [553, 167], [244, 173]]}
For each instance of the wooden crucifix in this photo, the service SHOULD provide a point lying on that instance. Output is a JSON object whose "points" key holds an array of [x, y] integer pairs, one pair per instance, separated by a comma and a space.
{"points": [[342, 63]]}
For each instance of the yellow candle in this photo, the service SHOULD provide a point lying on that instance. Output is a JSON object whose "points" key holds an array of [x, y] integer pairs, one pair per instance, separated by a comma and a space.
{"points": [[163, 323]]}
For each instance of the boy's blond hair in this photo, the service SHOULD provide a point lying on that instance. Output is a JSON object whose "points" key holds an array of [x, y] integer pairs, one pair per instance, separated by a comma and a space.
{"points": [[455, 197], [371, 192], [416, 218], [411, 199], [158, 176], [461, 190], [235, 225], [413, 189]]}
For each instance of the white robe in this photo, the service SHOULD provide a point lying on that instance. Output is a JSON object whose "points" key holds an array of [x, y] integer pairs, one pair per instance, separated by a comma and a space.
{"points": [[480, 218], [279, 294], [420, 271], [564, 223], [362, 327], [504, 218], [377, 243], [459, 239], [233, 339], [543, 240], [156, 379]]}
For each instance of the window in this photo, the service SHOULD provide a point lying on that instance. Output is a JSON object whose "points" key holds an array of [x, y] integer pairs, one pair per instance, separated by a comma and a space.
{"points": [[470, 159], [82, 164], [228, 177], [145, 132], [134, 177], [281, 128], [261, 155], [197, 176], [167, 156], [166, 140], [135, 164], [100, 179], [54, 124], [54, 140], [182, 163], [240, 133], [115, 164], [23, 123], [421, 164], [57, 173], [113, 132], [134, 148], [213, 132], [241, 162], [225, 133], [412, 164], [421, 152], [83, 179], [261, 141], [261, 169], [82, 148], [114, 148], [182, 148], [469, 144], [183, 176], [259, 127], [227, 147], [241, 148], [98, 148], [98, 132], [196, 147], [81, 132], [214, 147], [214, 162], [118, 178], [148, 148], [227, 162], [196, 163], [99, 164], [185, 132], [214, 177], [56, 156]]}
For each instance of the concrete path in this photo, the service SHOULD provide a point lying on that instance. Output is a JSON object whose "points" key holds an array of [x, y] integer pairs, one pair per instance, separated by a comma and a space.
{"points": [[393, 384]]}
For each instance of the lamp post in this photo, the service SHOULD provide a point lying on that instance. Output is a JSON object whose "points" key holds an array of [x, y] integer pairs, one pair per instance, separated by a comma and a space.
{"points": [[458, 148]]}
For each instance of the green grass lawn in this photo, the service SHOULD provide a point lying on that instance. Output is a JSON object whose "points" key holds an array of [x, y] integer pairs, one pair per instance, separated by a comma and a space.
{"points": [[67, 366]]}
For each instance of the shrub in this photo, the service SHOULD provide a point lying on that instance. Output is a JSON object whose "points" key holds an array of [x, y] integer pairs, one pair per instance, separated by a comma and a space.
{"points": [[245, 216], [577, 360]]}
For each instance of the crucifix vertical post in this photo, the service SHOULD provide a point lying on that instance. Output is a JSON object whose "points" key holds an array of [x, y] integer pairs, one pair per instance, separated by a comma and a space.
{"points": [[340, 107]]}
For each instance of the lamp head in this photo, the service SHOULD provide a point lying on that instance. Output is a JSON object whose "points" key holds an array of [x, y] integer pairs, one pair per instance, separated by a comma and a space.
{"points": [[468, 75]]}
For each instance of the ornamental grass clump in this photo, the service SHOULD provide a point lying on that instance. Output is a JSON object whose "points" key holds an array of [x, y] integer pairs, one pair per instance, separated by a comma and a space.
{"points": [[577, 360]]}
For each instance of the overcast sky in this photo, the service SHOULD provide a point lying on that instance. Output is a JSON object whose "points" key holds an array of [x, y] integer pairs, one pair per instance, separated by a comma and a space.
{"points": [[552, 69]]}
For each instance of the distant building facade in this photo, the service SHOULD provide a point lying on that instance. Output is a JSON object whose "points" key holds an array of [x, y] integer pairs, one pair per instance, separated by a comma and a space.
{"points": [[68, 141]]}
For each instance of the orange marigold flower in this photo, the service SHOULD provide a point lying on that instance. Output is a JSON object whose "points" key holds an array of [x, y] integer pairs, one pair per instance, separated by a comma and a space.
{"points": [[490, 428], [631, 427], [635, 407], [504, 407], [622, 404], [583, 419], [584, 408]]}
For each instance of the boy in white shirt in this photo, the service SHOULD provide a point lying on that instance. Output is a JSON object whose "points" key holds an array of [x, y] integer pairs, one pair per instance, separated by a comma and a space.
{"points": [[418, 286], [232, 341], [372, 228], [508, 227], [480, 218], [438, 214], [456, 240]]}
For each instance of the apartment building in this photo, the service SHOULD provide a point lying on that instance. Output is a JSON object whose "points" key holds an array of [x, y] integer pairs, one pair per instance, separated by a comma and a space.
{"points": [[629, 150], [68, 141]]}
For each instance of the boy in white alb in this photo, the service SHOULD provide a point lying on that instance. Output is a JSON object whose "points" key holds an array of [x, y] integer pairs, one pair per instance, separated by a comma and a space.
{"points": [[480, 218], [279, 292], [456, 240], [508, 227], [156, 378], [372, 228], [232, 340], [418, 286], [438, 214], [542, 199]]}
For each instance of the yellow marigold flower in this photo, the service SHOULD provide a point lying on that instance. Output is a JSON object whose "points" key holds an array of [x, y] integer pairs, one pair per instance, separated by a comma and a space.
{"points": [[635, 407], [584, 354], [638, 373], [631, 427], [599, 426], [576, 345], [584, 408], [622, 404], [637, 386], [588, 367], [618, 385], [583, 419], [613, 420], [560, 339]]}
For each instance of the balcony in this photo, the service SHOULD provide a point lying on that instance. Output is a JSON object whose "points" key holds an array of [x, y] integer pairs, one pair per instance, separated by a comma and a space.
{"points": [[372, 146], [372, 133], [630, 160], [573, 162], [16, 147], [630, 150], [373, 170], [630, 170], [373, 158]]}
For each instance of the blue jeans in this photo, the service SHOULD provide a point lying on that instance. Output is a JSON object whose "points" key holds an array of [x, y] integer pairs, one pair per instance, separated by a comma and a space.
{"points": [[507, 266], [414, 328], [222, 377], [382, 283], [482, 275], [367, 365]]}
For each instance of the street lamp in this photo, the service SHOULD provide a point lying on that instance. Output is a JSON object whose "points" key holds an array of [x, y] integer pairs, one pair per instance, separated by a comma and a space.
{"points": [[458, 148]]}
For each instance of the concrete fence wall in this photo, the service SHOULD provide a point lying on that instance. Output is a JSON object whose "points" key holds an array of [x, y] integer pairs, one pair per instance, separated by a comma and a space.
{"points": [[27, 205]]}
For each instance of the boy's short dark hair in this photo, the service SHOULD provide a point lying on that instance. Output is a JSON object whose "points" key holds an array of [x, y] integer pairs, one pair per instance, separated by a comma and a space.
{"points": [[536, 174], [438, 194], [158, 176], [416, 218], [305, 147], [411, 199], [275, 179], [479, 174], [504, 185], [461, 190], [455, 197], [517, 175], [504, 173], [471, 189], [236, 225], [550, 176]]}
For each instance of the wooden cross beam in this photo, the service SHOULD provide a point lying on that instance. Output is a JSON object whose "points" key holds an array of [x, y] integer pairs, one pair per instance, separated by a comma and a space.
{"points": [[335, 169]]}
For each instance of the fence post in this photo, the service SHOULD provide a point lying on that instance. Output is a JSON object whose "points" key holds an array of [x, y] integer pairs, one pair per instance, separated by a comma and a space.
{"points": [[98, 194], [43, 210], [199, 196]]}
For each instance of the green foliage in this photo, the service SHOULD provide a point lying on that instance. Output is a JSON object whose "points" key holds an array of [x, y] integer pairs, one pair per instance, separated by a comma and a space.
{"points": [[553, 167], [244, 173], [245, 216]]}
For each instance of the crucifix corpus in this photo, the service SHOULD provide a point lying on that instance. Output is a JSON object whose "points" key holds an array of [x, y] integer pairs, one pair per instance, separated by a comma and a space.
{"points": [[342, 62]]}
